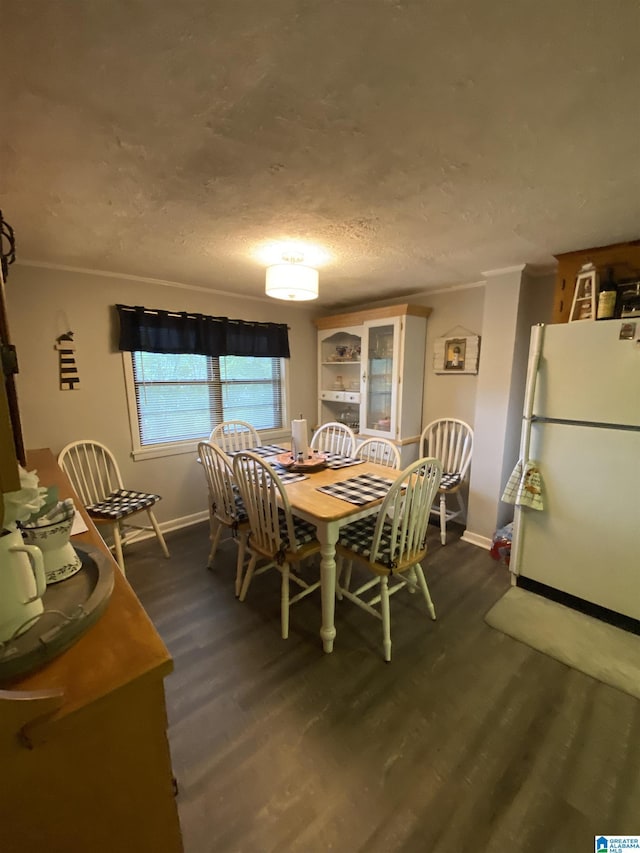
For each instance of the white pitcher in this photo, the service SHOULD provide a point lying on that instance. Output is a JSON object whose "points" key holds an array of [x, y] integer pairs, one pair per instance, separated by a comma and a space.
{"points": [[22, 585]]}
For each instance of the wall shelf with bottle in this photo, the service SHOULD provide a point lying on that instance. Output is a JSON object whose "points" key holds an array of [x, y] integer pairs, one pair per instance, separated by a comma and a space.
{"points": [[620, 260], [585, 295], [371, 361]]}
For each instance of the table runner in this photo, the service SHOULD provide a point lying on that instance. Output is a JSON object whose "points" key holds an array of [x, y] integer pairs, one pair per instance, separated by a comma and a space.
{"points": [[359, 490]]}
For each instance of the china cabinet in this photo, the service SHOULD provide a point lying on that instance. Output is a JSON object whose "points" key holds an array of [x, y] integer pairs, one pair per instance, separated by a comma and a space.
{"points": [[371, 373]]}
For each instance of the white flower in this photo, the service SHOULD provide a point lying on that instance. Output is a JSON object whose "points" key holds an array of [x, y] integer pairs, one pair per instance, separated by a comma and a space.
{"points": [[28, 500]]}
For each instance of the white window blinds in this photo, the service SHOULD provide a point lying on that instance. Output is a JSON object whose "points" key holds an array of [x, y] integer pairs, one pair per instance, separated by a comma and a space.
{"points": [[183, 397]]}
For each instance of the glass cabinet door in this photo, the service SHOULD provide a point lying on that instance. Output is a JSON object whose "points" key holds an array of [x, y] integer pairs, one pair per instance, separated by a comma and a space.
{"points": [[378, 411]]}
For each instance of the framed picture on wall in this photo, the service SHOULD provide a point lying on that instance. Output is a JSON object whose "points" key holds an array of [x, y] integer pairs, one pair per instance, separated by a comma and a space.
{"points": [[456, 355]]}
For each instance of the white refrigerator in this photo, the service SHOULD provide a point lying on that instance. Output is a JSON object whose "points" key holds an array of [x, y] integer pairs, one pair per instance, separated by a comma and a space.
{"points": [[581, 426]]}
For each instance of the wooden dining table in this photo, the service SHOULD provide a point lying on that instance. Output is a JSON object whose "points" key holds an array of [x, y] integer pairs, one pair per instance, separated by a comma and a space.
{"points": [[329, 514]]}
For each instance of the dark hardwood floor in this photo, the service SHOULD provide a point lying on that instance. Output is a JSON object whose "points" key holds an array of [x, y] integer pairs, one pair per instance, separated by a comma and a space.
{"points": [[467, 741]]}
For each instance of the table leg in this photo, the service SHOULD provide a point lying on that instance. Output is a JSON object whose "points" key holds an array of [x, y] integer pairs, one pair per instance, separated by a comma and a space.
{"points": [[328, 536]]}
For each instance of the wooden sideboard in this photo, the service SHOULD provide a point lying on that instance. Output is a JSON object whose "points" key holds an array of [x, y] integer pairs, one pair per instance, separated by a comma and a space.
{"points": [[84, 754]]}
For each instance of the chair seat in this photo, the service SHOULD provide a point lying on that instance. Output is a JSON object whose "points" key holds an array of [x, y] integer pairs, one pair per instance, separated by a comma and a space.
{"points": [[449, 481], [121, 503], [305, 532], [357, 537], [241, 512]]}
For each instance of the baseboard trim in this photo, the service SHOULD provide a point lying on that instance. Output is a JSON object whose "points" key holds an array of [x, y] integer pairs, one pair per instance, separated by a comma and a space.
{"points": [[476, 539], [184, 521], [175, 524]]}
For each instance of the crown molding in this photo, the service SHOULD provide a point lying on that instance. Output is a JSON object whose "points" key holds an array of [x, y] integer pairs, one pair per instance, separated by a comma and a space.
{"points": [[140, 278], [449, 288], [540, 270], [532, 270], [504, 270]]}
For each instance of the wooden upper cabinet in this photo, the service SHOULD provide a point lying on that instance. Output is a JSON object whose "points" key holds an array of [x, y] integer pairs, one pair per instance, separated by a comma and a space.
{"points": [[623, 258]]}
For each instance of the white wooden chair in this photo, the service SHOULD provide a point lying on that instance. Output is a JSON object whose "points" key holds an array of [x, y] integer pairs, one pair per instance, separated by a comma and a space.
{"points": [[392, 545], [275, 533], [451, 441], [226, 508], [334, 437], [94, 474], [379, 450], [235, 435]]}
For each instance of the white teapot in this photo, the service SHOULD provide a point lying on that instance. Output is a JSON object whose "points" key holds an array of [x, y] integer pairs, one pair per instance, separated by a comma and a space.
{"points": [[22, 585]]}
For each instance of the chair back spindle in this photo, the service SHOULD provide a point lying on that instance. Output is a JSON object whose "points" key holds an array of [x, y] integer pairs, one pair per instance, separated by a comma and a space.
{"points": [[334, 437], [235, 435], [380, 451]]}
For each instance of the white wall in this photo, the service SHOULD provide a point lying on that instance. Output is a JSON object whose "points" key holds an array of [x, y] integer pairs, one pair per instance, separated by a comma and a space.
{"points": [[44, 303]]}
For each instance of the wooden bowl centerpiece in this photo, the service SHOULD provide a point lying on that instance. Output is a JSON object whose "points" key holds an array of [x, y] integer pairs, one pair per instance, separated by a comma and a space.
{"points": [[314, 461]]}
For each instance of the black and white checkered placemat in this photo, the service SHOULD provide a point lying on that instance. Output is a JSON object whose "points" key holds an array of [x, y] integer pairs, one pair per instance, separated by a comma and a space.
{"points": [[335, 461], [359, 490], [288, 476], [263, 450]]}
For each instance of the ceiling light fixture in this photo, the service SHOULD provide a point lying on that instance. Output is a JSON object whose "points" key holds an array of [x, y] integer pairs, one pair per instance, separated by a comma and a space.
{"points": [[291, 280]]}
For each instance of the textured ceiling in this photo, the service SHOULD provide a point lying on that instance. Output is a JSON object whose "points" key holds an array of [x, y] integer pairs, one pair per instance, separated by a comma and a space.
{"points": [[418, 143]]}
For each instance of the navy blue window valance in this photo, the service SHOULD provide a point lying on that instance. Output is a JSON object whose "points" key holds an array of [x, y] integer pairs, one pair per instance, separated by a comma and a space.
{"points": [[147, 330]]}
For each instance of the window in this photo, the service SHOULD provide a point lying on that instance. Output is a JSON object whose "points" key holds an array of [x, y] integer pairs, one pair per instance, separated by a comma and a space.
{"points": [[176, 400]]}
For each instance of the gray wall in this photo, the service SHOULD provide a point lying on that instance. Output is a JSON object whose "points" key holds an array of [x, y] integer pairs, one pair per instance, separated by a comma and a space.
{"points": [[43, 303], [535, 306], [455, 313]]}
